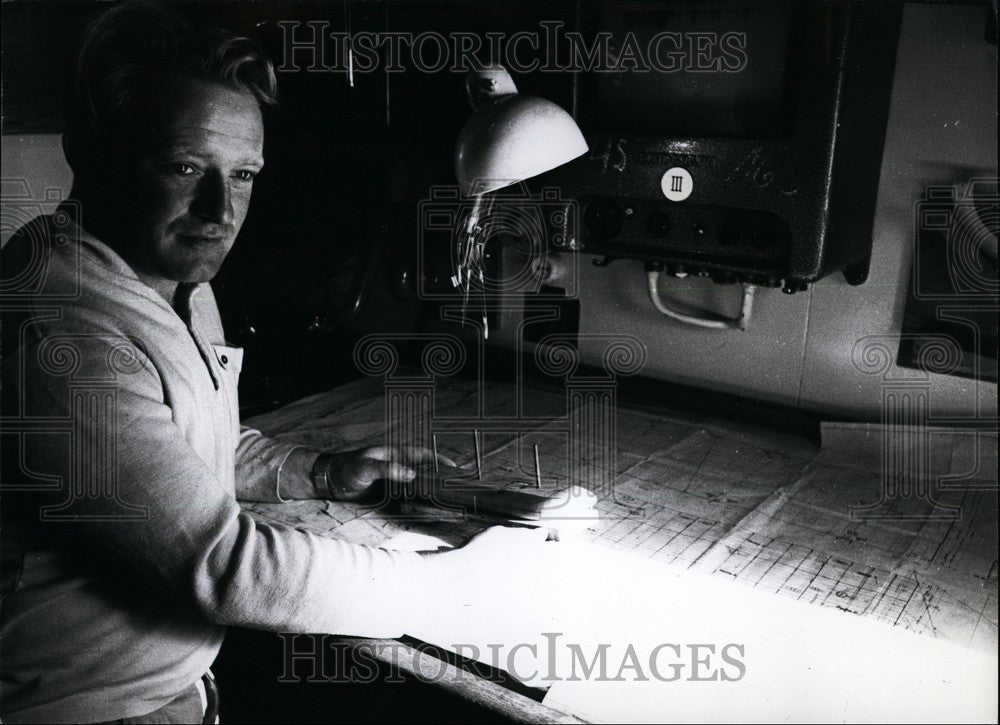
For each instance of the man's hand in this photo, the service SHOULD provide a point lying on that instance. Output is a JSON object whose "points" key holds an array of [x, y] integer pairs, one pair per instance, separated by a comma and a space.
{"points": [[352, 473]]}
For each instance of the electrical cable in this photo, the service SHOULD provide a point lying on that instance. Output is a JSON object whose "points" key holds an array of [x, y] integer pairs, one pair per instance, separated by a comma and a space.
{"points": [[746, 308]]}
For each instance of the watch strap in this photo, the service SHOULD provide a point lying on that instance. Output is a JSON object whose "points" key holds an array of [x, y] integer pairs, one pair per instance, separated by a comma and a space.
{"points": [[320, 475]]}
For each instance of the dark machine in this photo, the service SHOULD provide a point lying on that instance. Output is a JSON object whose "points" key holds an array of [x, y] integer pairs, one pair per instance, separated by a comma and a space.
{"points": [[749, 152]]}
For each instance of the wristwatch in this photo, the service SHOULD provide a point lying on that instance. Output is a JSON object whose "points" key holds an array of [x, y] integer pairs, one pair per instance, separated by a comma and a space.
{"points": [[321, 476]]}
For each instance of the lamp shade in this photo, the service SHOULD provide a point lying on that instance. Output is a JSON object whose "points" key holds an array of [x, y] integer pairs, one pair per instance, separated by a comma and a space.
{"points": [[512, 138]]}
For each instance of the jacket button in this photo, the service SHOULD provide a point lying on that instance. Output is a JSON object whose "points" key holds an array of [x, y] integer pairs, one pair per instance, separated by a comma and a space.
{"points": [[224, 359]]}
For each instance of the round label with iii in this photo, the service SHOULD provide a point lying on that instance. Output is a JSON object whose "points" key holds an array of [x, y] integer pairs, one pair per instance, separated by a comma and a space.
{"points": [[677, 184]]}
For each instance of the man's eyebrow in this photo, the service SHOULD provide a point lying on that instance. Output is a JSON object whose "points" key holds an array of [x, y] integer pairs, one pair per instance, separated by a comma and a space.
{"points": [[168, 149]]}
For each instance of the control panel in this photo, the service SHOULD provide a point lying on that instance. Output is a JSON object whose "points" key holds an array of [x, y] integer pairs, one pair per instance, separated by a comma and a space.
{"points": [[727, 244]]}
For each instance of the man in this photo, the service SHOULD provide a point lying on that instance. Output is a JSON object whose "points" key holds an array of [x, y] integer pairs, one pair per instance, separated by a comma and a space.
{"points": [[120, 576]]}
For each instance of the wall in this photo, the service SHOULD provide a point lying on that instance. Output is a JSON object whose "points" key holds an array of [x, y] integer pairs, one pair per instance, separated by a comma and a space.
{"points": [[31, 165], [797, 349]]}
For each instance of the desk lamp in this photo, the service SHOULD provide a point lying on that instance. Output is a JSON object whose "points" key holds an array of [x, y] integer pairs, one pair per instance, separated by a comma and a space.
{"points": [[509, 139]]}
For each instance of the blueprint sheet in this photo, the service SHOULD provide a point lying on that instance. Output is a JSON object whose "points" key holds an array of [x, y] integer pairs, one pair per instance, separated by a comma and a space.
{"points": [[763, 509]]}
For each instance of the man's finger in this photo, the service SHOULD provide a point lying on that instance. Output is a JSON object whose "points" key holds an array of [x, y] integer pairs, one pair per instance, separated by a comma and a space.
{"points": [[408, 454], [404, 454], [371, 470], [416, 454], [379, 453], [396, 471]]}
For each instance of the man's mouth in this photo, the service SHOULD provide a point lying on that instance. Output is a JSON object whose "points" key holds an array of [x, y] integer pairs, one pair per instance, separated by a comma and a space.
{"points": [[207, 239]]}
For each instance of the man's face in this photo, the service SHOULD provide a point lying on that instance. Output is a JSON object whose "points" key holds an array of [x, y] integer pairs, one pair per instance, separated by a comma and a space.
{"points": [[194, 179]]}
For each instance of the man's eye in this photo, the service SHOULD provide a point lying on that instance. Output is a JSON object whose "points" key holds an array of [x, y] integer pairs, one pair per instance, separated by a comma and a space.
{"points": [[246, 175], [182, 169]]}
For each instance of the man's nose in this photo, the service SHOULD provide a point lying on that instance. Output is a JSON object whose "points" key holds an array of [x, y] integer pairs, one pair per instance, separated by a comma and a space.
{"points": [[214, 199]]}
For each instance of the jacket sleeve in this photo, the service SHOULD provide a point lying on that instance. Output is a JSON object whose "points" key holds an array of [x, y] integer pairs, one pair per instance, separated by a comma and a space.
{"points": [[134, 488], [260, 461]]}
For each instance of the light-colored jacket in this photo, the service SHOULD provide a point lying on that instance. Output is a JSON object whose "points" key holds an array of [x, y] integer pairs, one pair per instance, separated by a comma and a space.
{"points": [[125, 551]]}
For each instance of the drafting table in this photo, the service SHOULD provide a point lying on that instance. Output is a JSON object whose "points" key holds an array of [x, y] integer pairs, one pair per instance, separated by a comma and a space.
{"points": [[748, 514]]}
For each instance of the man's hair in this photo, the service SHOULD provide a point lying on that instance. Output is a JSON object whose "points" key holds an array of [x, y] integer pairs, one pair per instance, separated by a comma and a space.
{"points": [[132, 48]]}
